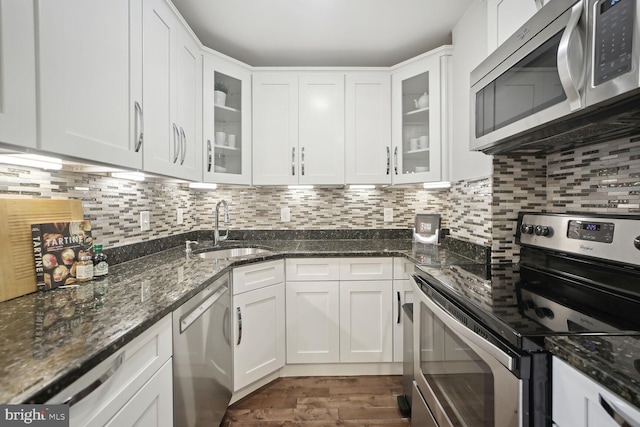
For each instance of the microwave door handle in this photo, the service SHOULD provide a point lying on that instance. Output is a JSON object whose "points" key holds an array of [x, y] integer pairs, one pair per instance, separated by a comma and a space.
{"points": [[569, 81]]}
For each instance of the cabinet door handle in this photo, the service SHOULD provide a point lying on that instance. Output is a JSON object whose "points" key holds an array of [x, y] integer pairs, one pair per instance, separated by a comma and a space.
{"points": [[139, 126], [209, 155], [538, 4], [183, 145], [615, 413], [239, 325], [399, 308], [97, 383], [176, 136], [302, 160], [388, 160], [293, 161], [225, 326], [395, 160]]}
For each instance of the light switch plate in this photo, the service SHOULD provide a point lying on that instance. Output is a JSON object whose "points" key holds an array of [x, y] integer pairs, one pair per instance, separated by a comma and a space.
{"points": [[145, 221]]}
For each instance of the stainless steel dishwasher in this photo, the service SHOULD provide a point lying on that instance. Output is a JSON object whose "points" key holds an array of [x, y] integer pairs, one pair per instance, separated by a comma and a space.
{"points": [[202, 357]]}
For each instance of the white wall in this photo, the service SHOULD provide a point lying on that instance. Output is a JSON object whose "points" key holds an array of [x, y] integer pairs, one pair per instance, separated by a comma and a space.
{"points": [[470, 43]]}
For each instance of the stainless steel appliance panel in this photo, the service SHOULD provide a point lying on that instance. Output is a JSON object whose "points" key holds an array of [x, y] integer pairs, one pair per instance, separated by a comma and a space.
{"points": [[464, 379], [202, 357]]}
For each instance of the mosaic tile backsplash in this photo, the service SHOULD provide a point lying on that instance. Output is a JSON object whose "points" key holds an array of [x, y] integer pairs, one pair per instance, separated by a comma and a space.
{"points": [[602, 178], [113, 205]]}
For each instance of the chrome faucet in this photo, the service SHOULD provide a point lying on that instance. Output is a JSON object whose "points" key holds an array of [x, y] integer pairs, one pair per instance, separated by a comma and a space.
{"points": [[188, 244], [217, 238]]}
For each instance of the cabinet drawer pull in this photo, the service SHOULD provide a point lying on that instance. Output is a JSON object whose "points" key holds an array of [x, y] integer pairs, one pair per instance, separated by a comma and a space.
{"points": [[176, 136], [399, 308], [139, 126], [302, 160], [209, 155], [97, 383], [239, 325], [183, 145]]}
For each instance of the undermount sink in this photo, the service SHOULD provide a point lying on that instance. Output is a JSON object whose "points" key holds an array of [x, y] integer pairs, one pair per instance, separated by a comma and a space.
{"points": [[232, 253]]}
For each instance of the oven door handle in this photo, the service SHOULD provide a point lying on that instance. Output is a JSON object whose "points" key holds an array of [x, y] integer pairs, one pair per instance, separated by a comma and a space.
{"points": [[505, 359]]}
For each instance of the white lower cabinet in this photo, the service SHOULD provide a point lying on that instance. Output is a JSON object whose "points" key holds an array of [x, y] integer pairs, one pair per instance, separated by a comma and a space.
{"points": [[339, 310], [580, 401], [152, 405], [259, 322], [402, 294], [365, 326], [139, 388], [313, 322]]}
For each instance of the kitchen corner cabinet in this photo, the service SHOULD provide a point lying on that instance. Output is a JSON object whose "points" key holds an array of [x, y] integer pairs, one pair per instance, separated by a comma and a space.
{"points": [[578, 400], [18, 75], [172, 89], [90, 79], [368, 128], [259, 322], [298, 128], [419, 121], [226, 123]]}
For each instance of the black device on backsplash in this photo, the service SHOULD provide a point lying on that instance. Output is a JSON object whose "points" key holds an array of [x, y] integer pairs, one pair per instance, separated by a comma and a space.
{"points": [[578, 275]]}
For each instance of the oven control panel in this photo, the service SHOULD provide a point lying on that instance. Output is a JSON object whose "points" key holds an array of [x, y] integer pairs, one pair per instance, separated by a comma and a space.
{"points": [[611, 238]]}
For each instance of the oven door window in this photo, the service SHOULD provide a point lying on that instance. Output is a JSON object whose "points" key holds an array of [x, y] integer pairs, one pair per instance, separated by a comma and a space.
{"points": [[530, 86], [471, 387]]}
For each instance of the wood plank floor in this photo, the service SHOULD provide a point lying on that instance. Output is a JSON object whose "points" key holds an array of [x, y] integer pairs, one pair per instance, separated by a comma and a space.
{"points": [[321, 402]]}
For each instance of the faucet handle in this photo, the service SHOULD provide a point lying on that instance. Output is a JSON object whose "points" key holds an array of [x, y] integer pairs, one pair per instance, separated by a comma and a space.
{"points": [[188, 244]]}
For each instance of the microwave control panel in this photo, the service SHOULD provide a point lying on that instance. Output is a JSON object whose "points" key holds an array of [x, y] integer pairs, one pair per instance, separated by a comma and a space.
{"points": [[612, 51]]}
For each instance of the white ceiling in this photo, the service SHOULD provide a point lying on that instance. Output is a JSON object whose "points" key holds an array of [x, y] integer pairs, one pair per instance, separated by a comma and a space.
{"points": [[322, 32]]}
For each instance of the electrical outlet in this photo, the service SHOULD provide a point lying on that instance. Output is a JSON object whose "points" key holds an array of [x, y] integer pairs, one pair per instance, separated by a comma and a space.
{"points": [[145, 221], [388, 214], [180, 216], [285, 214]]}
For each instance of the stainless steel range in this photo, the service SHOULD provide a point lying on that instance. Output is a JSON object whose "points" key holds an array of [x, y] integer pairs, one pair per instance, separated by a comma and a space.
{"points": [[479, 348]]}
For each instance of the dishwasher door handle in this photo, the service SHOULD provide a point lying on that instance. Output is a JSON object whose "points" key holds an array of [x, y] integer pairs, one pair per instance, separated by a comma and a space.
{"points": [[188, 319]]}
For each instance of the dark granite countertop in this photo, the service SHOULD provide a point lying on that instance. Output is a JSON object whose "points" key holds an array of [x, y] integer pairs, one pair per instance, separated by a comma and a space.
{"points": [[613, 361], [49, 339]]}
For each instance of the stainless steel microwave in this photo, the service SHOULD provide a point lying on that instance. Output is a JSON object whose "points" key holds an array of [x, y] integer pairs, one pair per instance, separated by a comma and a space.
{"points": [[569, 76]]}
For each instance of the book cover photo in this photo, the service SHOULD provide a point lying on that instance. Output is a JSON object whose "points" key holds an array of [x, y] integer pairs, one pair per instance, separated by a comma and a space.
{"points": [[57, 247]]}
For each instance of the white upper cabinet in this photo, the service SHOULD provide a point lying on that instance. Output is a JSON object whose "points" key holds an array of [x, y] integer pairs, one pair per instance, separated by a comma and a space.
{"points": [[368, 128], [419, 122], [172, 95], [298, 128], [18, 75], [505, 17], [226, 122], [90, 79], [275, 128], [321, 129]]}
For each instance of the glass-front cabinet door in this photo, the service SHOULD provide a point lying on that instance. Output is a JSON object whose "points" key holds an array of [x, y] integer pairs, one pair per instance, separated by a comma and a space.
{"points": [[419, 118], [227, 122]]}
